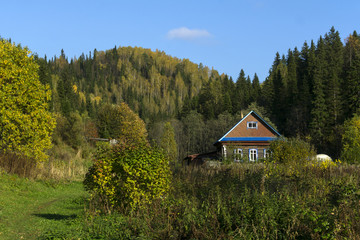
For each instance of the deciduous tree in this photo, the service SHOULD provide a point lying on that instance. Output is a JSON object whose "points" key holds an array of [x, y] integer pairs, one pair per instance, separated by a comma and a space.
{"points": [[25, 122]]}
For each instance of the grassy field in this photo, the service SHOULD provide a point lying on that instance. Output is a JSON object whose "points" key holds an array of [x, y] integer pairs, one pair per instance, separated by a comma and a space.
{"points": [[237, 201], [29, 208]]}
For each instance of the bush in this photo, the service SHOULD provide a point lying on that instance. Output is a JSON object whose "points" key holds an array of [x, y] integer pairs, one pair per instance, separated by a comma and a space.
{"points": [[291, 151], [127, 176], [351, 141]]}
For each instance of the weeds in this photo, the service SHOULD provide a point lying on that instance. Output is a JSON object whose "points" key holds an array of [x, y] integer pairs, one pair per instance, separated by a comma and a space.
{"points": [[241, 201]]}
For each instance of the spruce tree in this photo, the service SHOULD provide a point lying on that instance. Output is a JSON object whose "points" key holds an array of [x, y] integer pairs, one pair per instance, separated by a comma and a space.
{"points": [[334, 65], [351, 96], [319, 112], [256, 89]]}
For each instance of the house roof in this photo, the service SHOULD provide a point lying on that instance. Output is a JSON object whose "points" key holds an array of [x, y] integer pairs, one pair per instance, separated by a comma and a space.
{"points": [[251, 138]]}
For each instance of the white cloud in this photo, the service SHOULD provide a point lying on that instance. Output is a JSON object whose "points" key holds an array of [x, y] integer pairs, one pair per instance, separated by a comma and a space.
{"points": [[187, 34]]}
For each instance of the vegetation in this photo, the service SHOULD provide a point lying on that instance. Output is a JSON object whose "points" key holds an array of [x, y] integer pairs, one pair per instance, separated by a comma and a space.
{"points": [[351, 140], [25, 122], [139, 97], [239, 201], [121, 123], [127, 176], [29, 208]]}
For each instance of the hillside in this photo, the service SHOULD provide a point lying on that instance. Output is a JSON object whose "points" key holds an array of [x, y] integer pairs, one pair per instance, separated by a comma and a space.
{"points": [[308, 93]]}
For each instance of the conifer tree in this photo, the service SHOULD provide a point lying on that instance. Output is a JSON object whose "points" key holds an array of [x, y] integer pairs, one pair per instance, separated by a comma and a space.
{"points": [[352, 75], [319, 113], [256, 89], [334, 65], [241, 92]]}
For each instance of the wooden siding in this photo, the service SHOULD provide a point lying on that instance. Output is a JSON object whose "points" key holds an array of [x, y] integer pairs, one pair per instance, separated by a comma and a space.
{"points": [[241, 130]]}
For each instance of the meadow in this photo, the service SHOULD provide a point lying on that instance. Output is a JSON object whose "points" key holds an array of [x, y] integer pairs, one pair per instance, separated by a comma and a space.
{"points": [[233, 201]]}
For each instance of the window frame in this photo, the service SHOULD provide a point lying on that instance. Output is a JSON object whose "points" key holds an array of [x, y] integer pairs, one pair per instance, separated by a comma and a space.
{"points": [[265, 150], [252, 125], [253, 151], [238, 152]]}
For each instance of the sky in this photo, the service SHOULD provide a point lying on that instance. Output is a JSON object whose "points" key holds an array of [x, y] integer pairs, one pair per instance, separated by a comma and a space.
{"points": [[226, 35]]}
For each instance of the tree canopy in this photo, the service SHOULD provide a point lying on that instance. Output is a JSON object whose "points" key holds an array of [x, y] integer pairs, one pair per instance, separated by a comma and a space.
{"points": [[26, 124]]}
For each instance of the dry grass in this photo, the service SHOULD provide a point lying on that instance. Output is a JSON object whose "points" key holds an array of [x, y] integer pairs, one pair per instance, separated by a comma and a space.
{"points": [[64, 163]]}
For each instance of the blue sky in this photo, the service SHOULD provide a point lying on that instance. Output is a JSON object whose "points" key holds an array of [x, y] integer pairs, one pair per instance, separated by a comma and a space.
{"points": [[227, 35]]}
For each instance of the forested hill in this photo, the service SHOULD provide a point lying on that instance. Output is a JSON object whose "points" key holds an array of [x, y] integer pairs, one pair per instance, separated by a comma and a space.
{"points": [[309, 93], [154, 84]]}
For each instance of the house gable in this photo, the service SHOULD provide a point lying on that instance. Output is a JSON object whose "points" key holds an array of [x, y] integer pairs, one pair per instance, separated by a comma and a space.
{"points": [[250, 128]]}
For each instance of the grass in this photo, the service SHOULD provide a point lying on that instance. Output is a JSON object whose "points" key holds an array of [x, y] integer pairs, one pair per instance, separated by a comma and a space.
{"points": [[236, 201], [28, 208]]}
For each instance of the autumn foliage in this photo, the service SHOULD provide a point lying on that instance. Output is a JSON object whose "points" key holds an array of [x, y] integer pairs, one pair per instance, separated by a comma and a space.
{"points": [[131, 173], [121, 123], [25, 122]]}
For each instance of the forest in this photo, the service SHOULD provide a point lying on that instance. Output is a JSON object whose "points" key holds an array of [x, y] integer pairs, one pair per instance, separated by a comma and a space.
{"points": [[309, 93]]}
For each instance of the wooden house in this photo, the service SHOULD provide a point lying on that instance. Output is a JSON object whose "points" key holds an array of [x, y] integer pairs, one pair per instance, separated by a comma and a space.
{"points": [[248, 140]]}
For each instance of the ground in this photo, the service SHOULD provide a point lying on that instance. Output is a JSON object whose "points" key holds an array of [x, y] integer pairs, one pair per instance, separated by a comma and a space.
{"points": [[30, 208]]}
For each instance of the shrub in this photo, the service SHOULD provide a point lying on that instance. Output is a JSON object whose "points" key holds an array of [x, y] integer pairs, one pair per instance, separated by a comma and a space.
{"points": [[351, 141], [127, 176], [292, 150]]}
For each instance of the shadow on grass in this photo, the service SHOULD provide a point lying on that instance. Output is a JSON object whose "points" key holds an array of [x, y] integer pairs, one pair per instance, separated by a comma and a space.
{"points": [[56, 217]]}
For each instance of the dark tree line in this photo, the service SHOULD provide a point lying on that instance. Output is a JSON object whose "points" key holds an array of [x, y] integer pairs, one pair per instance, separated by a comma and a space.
{"points": [[310, 93]]}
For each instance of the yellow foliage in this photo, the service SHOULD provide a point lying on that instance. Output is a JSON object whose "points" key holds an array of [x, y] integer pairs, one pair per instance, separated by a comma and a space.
{"points": [[25, 122], [75, 88]]}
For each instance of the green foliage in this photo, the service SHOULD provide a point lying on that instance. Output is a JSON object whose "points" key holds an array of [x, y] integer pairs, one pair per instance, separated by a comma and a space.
{"points": [[168, 142], [25, 122], [351, 140], [238, 201], [124, 176], [121, 123], [69, 130], [291, 151]]}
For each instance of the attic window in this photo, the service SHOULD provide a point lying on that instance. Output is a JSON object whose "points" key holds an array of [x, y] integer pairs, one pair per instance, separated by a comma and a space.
{"points": [[252, 125]]}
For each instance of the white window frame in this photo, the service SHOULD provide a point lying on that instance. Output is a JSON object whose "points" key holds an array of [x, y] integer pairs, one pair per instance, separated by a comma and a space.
{"points": [[252, 125], [238, 152], [224, 150], [264, 153], [253, 151]]}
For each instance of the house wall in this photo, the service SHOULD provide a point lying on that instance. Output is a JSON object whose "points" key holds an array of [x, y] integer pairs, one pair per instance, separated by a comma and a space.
{"points": [[261, 151]]}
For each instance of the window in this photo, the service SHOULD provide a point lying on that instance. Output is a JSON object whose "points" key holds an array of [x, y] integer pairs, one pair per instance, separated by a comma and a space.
{"points": [[224, 150], [253, 155], [264, 153], [238, 154], [252, 125]]}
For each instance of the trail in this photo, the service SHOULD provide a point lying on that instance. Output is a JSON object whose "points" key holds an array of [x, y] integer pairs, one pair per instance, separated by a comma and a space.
{"points": [[29, 214]]}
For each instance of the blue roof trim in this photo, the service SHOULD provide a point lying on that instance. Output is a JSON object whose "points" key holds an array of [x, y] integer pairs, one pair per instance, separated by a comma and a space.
{"points": [[250, 139], [234, 126], [267, 124], [222, 138]]}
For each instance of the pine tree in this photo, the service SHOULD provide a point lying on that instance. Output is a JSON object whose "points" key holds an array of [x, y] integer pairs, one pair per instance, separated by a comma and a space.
{"points": [[352, 75], [334, 65], [256, 89], [319, 113], [241, 92]]}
